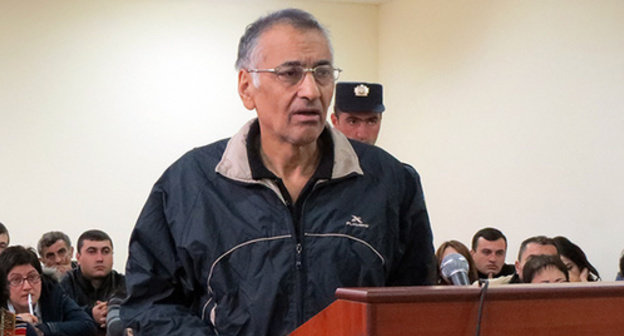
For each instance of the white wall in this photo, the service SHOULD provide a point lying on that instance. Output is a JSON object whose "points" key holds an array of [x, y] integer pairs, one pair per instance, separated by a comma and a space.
{"points": [[513, 115], [509, 109], [97, 98]]}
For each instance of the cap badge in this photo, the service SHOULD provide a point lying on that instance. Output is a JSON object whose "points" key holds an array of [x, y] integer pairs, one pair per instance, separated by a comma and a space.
{"points": [[361, 90]]}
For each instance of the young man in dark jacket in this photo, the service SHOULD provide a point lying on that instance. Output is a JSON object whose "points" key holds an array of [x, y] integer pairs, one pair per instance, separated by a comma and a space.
{"points": [[95, 281], [252, 235]]}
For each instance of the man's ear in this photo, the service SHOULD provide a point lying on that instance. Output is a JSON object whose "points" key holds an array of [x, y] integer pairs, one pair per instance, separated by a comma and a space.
{"points": [[518, 269], [71, 251], [246, 89], [334, 119]]}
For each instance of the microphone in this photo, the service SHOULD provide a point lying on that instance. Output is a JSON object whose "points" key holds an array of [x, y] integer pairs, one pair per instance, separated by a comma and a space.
{"points": [[455, 267], [114, 325]]}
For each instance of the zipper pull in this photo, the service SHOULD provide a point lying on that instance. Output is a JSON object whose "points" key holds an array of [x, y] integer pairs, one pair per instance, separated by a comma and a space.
{"points": [[299, 248]]}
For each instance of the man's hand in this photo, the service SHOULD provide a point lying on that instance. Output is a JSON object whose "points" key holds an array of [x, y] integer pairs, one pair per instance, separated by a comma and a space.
{"points": [[99, 313]]}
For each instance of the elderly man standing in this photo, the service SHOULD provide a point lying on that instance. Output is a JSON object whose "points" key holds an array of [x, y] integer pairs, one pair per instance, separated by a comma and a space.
{"points": [[252, 235]]}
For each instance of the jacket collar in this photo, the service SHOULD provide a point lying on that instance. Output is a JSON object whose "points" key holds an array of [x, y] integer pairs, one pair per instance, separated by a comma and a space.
{"points": [[234, 162]]}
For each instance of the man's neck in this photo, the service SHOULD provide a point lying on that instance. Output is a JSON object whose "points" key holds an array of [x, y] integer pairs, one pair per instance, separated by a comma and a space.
{"points": [[96, 282], [295, 165]]}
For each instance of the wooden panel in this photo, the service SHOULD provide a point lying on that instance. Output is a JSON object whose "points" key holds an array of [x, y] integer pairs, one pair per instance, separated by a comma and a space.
{"points": [[557, 309], [502, 317], [340, 318]]}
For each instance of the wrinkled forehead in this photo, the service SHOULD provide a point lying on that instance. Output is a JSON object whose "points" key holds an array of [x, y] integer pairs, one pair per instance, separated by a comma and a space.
{"points": [[22, 270], [57, 246]]}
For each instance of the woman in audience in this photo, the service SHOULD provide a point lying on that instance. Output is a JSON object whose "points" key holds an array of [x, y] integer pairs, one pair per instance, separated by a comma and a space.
{"points": [[575, 260], [454, 246], [544, 269], [38, 300]]}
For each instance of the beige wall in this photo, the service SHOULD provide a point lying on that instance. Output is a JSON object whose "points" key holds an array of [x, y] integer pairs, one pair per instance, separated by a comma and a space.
{"points": [[97, 98], [512, 113], [509, 109]]}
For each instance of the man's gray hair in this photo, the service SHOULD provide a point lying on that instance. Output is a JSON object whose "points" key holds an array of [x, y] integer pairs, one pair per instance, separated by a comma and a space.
{"points": [[49, 238], [247, 51]]}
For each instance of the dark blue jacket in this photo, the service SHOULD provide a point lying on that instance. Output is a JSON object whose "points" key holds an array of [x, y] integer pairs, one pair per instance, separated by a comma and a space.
{"points": [[60, 315], [216, 252]]}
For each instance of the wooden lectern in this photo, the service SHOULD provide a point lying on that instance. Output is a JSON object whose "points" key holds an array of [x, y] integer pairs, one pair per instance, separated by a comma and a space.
{"points": [[544, 309]]}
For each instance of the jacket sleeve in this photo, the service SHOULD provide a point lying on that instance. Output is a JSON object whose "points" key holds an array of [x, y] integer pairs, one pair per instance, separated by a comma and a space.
{"points": [[75, 322], [159, 294], [417, 261]]}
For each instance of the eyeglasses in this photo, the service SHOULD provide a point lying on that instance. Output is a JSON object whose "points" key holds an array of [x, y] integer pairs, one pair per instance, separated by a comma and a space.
{"points": [[293, 74], [18, 281]]}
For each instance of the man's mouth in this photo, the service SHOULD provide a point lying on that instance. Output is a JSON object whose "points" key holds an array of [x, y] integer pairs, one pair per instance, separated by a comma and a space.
{"points": [[307, 115]]}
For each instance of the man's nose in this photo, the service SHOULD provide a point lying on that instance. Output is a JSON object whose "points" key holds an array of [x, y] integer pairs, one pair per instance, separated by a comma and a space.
{"points": [[309, 88], [58, 259], [361, 130]]}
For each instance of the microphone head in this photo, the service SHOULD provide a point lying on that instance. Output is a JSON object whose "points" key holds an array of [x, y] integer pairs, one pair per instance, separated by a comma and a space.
{"points": [[114, 325], [453, 264]]}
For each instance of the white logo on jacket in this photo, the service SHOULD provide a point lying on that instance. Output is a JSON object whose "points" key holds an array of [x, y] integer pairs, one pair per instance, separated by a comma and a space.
{"points": [[356, 221]]}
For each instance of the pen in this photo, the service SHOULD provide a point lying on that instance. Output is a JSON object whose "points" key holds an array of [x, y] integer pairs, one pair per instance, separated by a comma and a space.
{"points": [[30, 306]]}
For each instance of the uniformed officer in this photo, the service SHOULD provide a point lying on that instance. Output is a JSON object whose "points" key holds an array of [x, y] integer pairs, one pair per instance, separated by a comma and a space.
{"points": [[357, 110]]}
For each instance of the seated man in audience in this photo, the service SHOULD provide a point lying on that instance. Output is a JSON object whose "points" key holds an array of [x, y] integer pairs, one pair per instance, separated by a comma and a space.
{"points": [[55, 252], [489, 249], [537, 245], [4, 237], [545, 269], [94, 281]]}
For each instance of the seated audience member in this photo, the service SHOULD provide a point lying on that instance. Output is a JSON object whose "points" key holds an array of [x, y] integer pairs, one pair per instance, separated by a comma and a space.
{"points": [[489, 250], [537, 245], [94, 281], [49, 311], [55, 251], [21, 327], [579, 268], [454, 246], [4, 237], [544, 269]]}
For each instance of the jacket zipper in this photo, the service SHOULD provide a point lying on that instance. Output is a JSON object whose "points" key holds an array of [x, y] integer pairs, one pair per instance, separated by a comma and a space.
{"points": [[299, 248], [299, 258]]}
